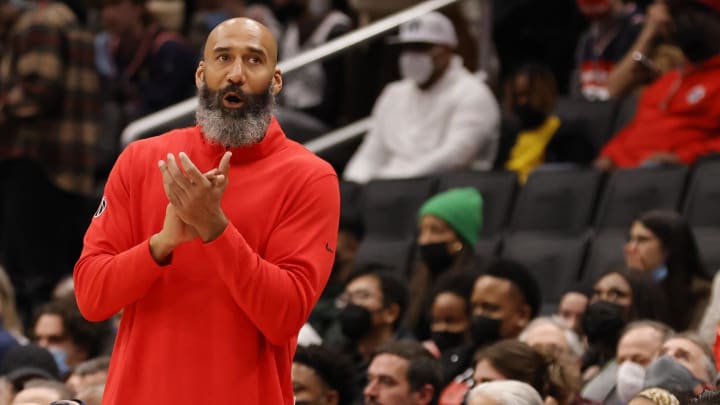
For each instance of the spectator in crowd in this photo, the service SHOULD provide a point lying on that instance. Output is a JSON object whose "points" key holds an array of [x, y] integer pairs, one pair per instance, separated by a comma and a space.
{"points": [[316, 89], [145, 67], [614, 26], [676, 118], [372, 306], [514, 360], [667, 373], [22, 364], [504, 300], [640, 343], [321, 376], [552, 337], [688, 350], [89, 373], [11, 329], [618, 298], [49, 97], [42, 392], [448, 227], [450, 317], [654, 396], [571, 309], [504, 392], [650, 56], [439, 117], [662, 244], [403, 373], [533, 134], [60, 328]]}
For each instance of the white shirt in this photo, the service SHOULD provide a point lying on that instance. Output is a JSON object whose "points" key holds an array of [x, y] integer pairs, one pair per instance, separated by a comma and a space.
{"points": [[415, 132]]}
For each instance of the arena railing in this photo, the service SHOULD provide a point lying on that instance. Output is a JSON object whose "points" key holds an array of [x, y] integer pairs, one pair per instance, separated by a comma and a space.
{"points": [[184, 111]]}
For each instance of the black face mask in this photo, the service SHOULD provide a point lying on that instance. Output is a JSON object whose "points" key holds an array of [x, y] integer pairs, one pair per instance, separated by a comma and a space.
{"points": [[355, 321], [530, 117], [603, 321], [690, 34], [436, 256], [484, 330], [447, 340]]}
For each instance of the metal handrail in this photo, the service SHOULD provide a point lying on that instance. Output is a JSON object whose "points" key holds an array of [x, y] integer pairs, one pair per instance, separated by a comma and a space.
{"points": [[359, 36]]}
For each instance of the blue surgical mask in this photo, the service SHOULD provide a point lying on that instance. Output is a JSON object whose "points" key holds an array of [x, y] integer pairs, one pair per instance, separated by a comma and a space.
{"points": [[660, 273], [60, 357]]}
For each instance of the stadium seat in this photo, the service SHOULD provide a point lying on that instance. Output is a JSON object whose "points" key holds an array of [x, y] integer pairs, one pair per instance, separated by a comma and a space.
{"points": [[560, 201], [594, 119], [708, 240], [702, 200], [554, 260], [605, 254], [395, 254], [497, 188], [390, 207], [630, 192]]}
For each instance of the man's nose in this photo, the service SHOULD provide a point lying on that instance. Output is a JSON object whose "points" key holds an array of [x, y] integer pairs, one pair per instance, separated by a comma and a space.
{"points": [[236, 74]]}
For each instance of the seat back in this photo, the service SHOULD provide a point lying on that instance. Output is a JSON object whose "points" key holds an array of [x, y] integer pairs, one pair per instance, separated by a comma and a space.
{"points": [[630, 192]]}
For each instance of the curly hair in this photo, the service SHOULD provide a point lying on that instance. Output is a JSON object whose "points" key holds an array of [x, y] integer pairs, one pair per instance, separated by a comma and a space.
{"points": [[333, 368]]}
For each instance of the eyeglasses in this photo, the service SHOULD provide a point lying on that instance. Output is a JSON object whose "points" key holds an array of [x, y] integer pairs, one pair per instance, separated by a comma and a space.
{"points": [[353, 297]]}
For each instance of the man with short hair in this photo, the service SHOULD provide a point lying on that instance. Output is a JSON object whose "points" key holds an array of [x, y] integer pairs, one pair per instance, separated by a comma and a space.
{"points": [[372, 306], [677, 115], [62, 330], [403, 373], [438, 117], [42, 392], [214, 240], [690, 351], [89, 373], [640, 343], [321, 376]]}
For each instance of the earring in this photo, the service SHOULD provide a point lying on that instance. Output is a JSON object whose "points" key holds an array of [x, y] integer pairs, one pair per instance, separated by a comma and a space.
{"points": [[457, 246]]}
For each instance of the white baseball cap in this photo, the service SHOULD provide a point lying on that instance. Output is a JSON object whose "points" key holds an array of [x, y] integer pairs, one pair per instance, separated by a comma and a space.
{"points": [[431, 28]]}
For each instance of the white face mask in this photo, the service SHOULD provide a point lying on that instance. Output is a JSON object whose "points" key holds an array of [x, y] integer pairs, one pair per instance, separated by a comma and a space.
{"points": [[417, 66], [630, 378]]}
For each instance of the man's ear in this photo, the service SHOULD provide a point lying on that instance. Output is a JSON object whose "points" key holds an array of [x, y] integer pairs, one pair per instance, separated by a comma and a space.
{"points": [[200, 75], [425, 394], [524, 316], [276, 82]]}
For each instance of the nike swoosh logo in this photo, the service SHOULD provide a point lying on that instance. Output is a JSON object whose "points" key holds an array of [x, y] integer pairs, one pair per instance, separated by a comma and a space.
{"points": [[328, 248]]}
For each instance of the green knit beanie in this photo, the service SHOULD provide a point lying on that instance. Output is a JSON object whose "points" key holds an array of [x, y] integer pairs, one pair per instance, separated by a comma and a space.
{"points": [[461, 208]]}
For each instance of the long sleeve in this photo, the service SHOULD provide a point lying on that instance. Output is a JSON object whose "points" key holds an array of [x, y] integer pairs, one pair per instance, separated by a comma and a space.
{"points": [[369, 158], [113, 271], [690, 152], [472, 132], [277, 291]]}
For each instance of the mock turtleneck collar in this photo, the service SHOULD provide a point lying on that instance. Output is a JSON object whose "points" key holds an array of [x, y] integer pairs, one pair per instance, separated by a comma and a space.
{"points": [[272, 142]]}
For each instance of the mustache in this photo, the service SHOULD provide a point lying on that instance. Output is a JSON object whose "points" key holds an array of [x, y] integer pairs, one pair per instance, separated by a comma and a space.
{"points": [[232, 88]]}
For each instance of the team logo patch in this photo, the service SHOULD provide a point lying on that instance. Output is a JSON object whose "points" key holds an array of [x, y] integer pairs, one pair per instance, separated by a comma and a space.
{"points": [[696, 94], [101, 208]]}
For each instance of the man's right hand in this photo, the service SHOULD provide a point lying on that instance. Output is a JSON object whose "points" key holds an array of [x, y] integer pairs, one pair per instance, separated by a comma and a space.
{"points": [[173, 233]]}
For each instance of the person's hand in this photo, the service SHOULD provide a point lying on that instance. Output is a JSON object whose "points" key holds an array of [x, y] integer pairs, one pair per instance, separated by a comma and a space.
{"points": [[657, 19], [661, 158], [604, 163], [196, 196], [173, 233]]}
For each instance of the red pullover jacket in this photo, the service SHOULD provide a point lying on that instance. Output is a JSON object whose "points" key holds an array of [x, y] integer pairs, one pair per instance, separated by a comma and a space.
{"points": [[678, 113], [217, 325]]}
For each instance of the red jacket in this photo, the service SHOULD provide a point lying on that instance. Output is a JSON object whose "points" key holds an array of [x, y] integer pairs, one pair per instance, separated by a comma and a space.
{"points": [[678, 113], [217, 325]]}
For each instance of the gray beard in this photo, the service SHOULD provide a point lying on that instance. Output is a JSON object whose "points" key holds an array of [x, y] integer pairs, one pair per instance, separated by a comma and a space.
{"points": [[230, 127]]}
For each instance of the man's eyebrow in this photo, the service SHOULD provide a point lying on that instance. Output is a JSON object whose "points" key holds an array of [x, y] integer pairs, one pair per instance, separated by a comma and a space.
{"points": [[251, 49]]}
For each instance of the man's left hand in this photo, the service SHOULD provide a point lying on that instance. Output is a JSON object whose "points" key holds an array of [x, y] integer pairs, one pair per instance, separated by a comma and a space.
{"points": [[196, 196]]}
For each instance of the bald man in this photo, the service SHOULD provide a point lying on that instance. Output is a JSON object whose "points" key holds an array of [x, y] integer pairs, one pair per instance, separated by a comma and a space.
{"points": [[214, 240]]}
